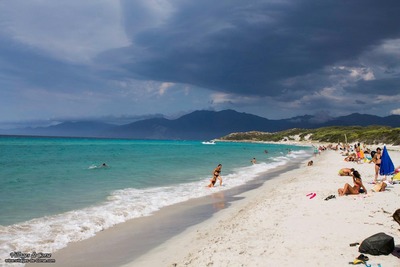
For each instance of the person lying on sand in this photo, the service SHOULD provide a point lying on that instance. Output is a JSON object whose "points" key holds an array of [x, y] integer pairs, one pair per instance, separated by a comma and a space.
{"points": [[352, 157], [346, 171], [353, 190]]}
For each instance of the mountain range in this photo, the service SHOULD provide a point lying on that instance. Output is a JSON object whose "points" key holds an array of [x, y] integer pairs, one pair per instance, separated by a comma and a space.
{"points": [[199, 125]]}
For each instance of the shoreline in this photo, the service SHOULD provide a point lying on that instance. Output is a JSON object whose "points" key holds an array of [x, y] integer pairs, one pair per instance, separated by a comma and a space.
{"points": [[277, 224], [125, 242], [274, 224]]}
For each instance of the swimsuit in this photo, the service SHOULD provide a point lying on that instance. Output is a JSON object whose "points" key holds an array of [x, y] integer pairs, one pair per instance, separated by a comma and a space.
{"points": [[216, 174], [359, 189], [378, 157]]}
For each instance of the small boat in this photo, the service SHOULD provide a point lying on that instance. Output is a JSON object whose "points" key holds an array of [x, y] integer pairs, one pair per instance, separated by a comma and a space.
{"points": [[208, 143]]}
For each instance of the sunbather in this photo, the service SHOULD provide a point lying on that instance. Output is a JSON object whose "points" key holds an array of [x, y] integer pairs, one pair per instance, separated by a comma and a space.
{"points": [[346, 171], [353, 190], [351, 157]]}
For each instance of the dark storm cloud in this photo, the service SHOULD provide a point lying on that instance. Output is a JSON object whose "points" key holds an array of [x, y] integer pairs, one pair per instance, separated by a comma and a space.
{"points": [[275, 58], [28, 66], [254, 47], [387, 86]]}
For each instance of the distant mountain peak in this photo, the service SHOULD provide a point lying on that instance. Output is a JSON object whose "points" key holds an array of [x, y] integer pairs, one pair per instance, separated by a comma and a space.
{"points": [[201, 125]]}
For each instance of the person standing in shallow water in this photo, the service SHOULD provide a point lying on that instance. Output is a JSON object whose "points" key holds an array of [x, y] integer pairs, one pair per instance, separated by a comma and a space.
{"points": [[217, 172], [216, 175]]}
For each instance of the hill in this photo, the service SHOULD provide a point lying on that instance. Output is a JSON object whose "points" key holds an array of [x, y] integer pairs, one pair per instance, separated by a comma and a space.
{"points": [[68, 128], [200, 125], [332, 134]]}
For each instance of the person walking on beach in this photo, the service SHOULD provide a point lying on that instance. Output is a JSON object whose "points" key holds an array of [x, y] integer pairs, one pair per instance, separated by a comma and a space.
{"points": [[216, 175]]}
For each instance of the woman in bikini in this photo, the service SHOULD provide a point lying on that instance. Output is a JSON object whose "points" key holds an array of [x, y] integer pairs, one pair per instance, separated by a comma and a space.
{"points": [[216, 175], [377, 160], [353, 190]]}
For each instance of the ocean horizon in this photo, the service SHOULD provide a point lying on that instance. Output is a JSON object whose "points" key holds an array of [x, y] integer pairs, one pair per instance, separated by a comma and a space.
{"points": [[55, 190]]}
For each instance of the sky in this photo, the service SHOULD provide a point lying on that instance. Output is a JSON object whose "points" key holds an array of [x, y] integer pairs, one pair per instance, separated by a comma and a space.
{"points": [[121, 60]]}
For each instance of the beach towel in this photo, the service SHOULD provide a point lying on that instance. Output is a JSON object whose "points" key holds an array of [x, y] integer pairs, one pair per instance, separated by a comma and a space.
{"points": [[377, 244]]}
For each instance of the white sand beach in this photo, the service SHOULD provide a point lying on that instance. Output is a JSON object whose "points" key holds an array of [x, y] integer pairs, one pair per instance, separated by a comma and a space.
{"points": [[278, 224]]}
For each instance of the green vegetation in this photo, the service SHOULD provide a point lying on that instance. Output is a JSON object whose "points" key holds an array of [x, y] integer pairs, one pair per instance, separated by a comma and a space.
{"points": [[334, 134]]}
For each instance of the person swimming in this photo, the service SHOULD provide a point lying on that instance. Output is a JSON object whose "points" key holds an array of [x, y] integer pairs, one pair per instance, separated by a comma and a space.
{"points": [[103, 165]]}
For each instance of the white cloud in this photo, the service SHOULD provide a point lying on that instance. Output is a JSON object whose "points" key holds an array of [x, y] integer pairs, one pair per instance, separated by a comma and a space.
{"points": [[223, 98], [357, 73], [362, 73], [391, 47], [395, 111], [164, 87]]}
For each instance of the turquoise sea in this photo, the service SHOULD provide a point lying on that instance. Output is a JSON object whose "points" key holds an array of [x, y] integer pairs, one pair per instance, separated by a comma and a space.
{"points": [[54, 190]]}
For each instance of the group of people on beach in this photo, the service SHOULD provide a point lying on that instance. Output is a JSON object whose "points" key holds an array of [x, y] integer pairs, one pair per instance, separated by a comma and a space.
{"points": [[375, 157], [357, 155]]}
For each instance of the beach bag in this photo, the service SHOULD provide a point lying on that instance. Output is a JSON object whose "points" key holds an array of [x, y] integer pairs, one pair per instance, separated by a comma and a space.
{"points": [[379, 187], [378, 244]]}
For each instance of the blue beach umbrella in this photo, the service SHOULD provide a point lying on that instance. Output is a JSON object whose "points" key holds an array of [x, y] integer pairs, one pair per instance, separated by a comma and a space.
{"points": [[387, 166]]}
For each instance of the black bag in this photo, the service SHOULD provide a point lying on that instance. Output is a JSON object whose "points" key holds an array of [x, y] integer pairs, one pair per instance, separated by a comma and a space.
{"points": [[378, 244]]}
